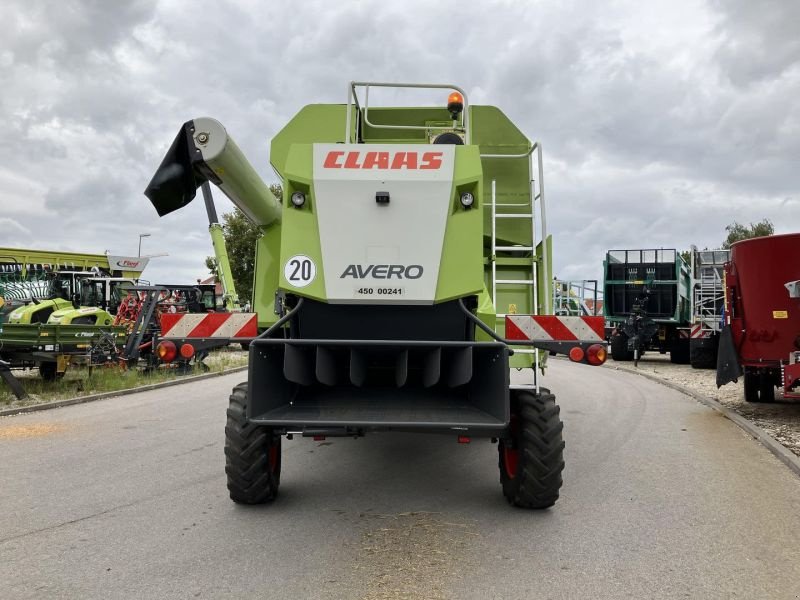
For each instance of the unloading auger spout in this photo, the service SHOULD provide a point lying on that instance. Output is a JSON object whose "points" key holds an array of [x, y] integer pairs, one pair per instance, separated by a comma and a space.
{"points": [[203, 151]]}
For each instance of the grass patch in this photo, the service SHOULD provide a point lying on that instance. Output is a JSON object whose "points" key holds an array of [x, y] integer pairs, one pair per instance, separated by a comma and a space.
{"points": [[81, 381]]}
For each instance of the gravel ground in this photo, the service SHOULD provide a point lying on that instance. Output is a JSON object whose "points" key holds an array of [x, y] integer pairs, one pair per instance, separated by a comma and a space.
{"points": [[781, 419]]}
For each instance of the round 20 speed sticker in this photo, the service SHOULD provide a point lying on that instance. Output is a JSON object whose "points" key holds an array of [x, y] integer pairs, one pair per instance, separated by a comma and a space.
{"points": [[299, 271]]}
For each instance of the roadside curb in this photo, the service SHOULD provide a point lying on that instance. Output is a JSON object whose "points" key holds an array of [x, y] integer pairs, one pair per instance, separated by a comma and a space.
{"points": [[104, 395], [783, 454]]}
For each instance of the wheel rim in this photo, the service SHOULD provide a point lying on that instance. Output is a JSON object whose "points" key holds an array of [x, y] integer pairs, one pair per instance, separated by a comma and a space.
{"points": [[510, 461], [511, 454], [273, 458]]}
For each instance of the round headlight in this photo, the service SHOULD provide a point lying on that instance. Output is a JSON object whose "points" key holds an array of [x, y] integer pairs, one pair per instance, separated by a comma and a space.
{"points": [[298, 199], [467, 199]]}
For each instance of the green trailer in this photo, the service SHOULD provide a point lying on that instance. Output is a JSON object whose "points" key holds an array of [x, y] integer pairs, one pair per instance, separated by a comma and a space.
{"points": [[647, 303], [410, 245], [53, 348]]}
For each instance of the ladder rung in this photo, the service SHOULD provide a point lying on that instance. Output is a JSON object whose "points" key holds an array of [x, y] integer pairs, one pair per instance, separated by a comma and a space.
{"points": [[524, 351], [514, 216], [514, 248], [511, 281]]}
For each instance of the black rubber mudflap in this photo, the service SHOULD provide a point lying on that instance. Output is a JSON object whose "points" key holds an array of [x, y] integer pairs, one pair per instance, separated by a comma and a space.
{"points": [[728, 368]]}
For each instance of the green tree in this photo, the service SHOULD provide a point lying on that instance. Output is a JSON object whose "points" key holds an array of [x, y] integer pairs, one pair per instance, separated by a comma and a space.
{"points": [[240, 240], [738, 232]]}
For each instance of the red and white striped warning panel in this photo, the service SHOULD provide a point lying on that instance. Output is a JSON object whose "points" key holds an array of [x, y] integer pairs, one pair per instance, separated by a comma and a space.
{"points": [[547, 328], [209, 325], [699, 332]]}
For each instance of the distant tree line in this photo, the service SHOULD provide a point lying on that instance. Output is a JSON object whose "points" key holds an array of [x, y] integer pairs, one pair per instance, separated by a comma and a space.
{"points": [[738, 232]]}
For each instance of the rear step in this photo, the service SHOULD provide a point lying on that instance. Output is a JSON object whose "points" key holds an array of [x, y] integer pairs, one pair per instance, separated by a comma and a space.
{"points": [[318, 385]]}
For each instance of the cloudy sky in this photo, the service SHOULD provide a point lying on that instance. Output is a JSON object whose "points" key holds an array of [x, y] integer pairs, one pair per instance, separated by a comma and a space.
{"points": [[661, 122]]}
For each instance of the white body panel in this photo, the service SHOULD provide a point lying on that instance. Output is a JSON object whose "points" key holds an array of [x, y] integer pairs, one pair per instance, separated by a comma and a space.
{"points": [[382, 253]]}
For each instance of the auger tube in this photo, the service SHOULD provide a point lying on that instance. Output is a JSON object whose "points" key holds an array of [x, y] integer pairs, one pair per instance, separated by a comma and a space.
{"points": [[203, 151]]}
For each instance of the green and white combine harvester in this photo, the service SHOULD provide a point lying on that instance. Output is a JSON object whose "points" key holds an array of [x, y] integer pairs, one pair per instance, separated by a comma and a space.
{"points": [[409, 245]]}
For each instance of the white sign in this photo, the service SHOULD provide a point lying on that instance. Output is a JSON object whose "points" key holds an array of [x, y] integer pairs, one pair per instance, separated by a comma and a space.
{"points": [[299, 271], [128, 263]]}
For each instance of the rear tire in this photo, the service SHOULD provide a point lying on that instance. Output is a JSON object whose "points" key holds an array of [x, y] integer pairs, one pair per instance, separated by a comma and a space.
{"points": [[252, 454], [703, 358], [532, 460], [766, 388], [679, 352], [619, 347], [758, 387], [49, 371]]}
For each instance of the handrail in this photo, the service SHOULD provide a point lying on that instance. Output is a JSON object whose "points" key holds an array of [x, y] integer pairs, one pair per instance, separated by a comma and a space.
{"points": [[523, 155], [352, 96]]}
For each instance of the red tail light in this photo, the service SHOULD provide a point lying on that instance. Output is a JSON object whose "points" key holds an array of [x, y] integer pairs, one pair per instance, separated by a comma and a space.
{"points": [[187, 351], [166, 351], [576, 354], [596, 354]]}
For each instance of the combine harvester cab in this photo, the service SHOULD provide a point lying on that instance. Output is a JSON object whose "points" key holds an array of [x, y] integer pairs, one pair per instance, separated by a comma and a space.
{"points": [[405, 271], [761, 336]]}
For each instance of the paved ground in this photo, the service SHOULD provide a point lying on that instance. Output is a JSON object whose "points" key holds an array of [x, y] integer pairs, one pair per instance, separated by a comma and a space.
{"points": [[780, 419], [663, 498]]}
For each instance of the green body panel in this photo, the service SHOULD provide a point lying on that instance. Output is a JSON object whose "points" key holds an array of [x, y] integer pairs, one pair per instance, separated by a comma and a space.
{"points": [[231, 298], [462, 252], [265, 276], [68, 316], [298, 176], [314, 124], [27, 314]]}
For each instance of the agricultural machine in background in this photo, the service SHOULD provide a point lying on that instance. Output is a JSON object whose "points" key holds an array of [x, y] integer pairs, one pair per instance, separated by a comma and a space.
{"points": [[86, 309], [61, 309], [401, 276], [647, 303], [577, 298], [708, 300], [761, 336]]}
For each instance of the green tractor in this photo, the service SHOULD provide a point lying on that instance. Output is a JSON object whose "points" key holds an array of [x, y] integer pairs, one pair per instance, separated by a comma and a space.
{"points": [[405, 271], [75, 298]]}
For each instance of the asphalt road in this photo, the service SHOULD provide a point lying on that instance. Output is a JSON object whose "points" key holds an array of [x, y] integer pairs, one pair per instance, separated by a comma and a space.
{"points": [[663, 498]]}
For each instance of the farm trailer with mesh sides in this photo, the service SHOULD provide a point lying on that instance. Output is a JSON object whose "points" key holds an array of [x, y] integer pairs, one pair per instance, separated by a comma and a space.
{"points": [[406, 269], [647, 303], [761, 336]]}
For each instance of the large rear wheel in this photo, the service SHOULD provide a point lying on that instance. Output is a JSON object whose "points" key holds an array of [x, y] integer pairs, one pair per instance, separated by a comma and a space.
{"points": [[49, 371], [252, 454], [619, 347], [532, 459], [759, 386]]}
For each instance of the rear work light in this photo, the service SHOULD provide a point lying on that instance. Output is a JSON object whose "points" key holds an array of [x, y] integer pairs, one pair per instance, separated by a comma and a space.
{"points": [[166, 351]]}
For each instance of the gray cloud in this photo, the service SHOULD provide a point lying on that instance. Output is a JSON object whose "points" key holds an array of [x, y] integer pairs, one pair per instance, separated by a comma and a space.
{"points": [[662, 122]]}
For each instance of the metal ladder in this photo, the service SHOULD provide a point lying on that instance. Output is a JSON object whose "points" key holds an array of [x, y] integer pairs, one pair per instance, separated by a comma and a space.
{"points": [[531, 218]]}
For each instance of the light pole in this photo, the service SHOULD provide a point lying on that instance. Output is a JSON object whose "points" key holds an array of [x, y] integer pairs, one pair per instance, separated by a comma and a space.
{"points": [[142, 235]]}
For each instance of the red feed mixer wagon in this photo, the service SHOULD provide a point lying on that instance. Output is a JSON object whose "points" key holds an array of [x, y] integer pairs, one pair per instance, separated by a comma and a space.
{"points": [[761, 336]]}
